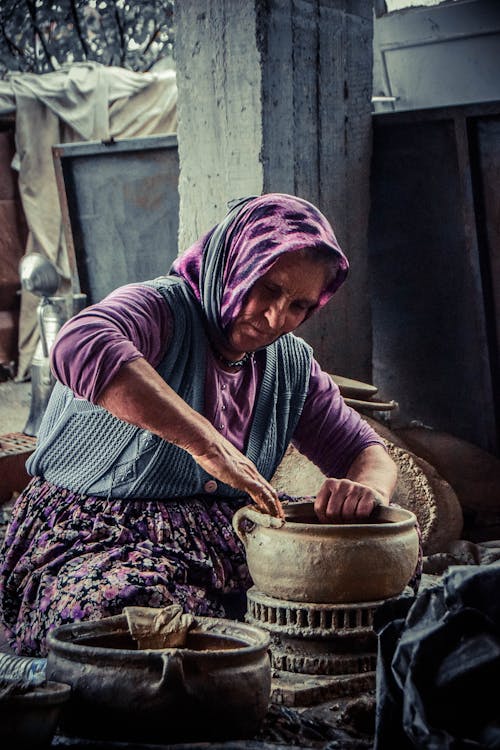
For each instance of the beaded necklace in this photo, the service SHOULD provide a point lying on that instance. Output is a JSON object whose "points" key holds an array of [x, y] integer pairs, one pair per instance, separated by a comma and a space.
{"points": [[239, 363]]}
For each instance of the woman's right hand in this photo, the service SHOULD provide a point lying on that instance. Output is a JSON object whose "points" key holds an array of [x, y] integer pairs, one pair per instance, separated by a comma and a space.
{"points": [[137, 394], [225, 462]]}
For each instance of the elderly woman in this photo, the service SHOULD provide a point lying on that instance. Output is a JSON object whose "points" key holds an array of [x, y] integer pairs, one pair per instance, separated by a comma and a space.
{"points": [[174, 404]]}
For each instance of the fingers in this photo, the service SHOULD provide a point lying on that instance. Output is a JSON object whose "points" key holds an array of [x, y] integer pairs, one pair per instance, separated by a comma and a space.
{"points": [[342, 501], [253, 483], [266, 499], [225, 462], [262, 493]]}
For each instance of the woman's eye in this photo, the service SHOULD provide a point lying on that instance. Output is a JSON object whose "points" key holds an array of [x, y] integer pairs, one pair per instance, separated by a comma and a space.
{"points": [[272, 289]]}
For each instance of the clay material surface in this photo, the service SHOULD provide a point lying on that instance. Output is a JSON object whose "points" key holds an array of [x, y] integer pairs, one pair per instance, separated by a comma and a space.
{"points": [[303, 560], [28, 720], [420, 489], [423, 491], [474, 475]]}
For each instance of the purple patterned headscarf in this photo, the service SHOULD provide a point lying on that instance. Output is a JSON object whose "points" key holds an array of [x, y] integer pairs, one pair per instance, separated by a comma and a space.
{"points": [[221, 267]]}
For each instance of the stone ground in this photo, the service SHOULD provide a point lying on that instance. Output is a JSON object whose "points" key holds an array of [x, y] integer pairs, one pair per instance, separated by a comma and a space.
{"points": [[282, 728]]}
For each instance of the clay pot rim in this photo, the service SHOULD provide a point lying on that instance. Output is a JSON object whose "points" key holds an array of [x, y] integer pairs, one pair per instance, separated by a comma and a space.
{"points": [[50, 693], [58, 639], [391, 519]]}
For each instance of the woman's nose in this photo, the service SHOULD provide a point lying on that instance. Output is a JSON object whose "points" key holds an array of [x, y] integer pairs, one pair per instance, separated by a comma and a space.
{"points": [[275, 315]]}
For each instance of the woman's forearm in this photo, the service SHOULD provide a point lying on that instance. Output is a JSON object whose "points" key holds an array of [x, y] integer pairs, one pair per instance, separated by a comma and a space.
{"points": [[139, 395], [374, 468]]}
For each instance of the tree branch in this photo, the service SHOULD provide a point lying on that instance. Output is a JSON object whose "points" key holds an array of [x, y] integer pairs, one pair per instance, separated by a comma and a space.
{"points": [[38, 32], [81, 36], [121, 35]]}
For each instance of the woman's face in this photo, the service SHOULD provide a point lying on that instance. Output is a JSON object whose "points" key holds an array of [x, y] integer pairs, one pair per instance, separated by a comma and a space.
{"points": [[277, 303]]}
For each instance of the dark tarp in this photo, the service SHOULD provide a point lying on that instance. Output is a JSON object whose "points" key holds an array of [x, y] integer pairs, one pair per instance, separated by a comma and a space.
{"points": [[438, 668]]}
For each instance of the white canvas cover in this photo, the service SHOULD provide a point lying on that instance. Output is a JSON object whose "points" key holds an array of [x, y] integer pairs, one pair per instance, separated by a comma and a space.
{"points": [[81, 102]]}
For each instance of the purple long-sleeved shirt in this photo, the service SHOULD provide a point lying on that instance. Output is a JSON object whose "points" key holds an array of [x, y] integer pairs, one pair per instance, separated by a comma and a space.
{"points": [[135, 321]]}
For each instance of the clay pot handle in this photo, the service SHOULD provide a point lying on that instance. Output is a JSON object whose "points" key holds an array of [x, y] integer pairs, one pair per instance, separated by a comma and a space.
{"points": [[256, 518], [172, 678]]}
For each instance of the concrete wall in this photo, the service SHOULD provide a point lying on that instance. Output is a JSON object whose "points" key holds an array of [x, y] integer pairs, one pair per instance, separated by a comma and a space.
{"points": [[275, 96], [316, 92], [219, 110]]}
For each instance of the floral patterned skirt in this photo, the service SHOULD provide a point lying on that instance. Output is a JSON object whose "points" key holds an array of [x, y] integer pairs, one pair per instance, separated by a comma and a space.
{"points": [[69, 557]]}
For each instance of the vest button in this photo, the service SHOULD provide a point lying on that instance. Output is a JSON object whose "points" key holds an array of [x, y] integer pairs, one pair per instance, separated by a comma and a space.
{"points": [[210, 486]]}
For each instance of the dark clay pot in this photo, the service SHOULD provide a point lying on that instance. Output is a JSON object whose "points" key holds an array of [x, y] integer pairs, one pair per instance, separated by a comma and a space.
{"points": [[216, 688], [28, 720]]}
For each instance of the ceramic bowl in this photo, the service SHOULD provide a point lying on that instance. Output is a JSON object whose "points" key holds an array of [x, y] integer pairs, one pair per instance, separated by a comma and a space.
{"points": [[29, 720], [215, 688]]}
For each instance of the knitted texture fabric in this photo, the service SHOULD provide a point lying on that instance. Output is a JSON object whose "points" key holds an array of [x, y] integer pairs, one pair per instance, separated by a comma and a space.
{"points": [[83, 448]]}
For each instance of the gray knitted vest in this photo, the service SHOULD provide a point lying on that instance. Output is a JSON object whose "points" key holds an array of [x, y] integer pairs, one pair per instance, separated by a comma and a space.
{"points": [[82, 447]]}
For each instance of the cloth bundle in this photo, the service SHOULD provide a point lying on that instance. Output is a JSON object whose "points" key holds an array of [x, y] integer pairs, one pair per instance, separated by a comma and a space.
{"points": [[159, 628], [438, 664]]}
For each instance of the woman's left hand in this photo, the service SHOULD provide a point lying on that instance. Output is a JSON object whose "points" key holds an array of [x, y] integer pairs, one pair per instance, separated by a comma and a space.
{"points": [[344, 500], [370, 481]]}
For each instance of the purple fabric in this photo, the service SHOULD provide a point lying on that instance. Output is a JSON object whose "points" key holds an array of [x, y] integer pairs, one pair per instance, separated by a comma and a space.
{"points": [[266, 228], [70, 557], [131, 322], [330, 433], [230, 398], [135, 321]]}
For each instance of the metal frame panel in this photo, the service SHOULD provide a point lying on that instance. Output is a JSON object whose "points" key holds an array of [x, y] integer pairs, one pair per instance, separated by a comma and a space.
{"points": [[433, 327], [120, 207]]}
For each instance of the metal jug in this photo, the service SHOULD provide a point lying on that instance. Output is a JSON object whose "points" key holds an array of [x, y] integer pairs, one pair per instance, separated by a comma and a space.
{"points": [[40, 276]]}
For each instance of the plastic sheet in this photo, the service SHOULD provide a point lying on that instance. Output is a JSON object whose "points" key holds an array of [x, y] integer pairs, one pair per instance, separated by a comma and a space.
{"points": [[439, 663]]}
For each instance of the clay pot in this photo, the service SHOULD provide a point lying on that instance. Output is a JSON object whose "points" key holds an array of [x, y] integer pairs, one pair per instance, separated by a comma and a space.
{"points": [[28, 721], [216, 688], [305, 561]]}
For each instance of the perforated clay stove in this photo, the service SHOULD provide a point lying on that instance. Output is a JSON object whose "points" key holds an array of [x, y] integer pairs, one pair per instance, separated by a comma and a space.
{"points": [[316, 590]]}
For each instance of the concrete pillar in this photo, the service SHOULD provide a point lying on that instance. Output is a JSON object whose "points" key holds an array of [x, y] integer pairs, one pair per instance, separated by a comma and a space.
{"points": [[274, 96]]}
